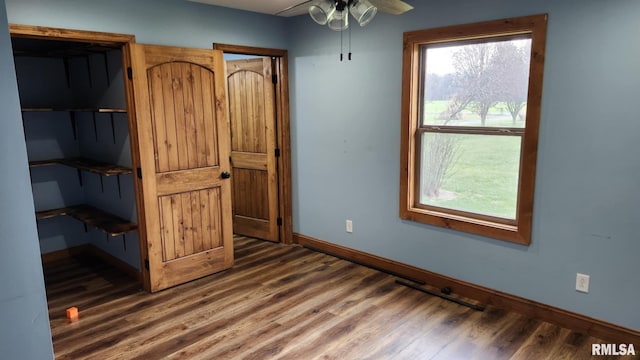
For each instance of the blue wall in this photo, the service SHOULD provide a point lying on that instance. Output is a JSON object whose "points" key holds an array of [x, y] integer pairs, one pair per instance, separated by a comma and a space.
{"points": [[346, 133], [24, 319], [346, 151]]}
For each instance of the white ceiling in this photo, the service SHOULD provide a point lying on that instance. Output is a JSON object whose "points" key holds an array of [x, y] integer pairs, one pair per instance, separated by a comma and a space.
{"points": [[272, 7]]}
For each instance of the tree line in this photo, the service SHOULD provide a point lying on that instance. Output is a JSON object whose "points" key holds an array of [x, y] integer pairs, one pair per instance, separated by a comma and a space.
{"points": [[485, 74]]}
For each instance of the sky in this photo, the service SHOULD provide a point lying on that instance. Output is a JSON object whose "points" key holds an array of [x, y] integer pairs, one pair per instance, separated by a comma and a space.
{"points": [[440, 58]]}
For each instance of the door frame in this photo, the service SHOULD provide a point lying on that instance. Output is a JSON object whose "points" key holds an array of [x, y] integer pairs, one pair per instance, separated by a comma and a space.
{"points": [[283, 131], [123, 41]]}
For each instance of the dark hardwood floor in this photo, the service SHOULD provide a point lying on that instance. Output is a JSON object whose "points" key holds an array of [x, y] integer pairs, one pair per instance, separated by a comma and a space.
{"points": [[285, 302]]}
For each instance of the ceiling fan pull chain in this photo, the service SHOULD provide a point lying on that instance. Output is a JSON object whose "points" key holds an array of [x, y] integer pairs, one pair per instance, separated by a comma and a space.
{"points": [[341, 46], [349, 44]]}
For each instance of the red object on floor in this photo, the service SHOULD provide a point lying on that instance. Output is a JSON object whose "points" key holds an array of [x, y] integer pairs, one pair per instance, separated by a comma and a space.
{"points": [[72, 313]]}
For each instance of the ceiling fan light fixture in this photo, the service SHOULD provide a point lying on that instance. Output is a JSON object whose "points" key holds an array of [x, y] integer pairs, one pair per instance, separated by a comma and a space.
{"points": [[322, 11], [363, 11], [339, 20]]}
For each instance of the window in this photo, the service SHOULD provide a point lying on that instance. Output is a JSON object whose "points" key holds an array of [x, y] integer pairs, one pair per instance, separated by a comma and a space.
{"points": [[470, 112]]}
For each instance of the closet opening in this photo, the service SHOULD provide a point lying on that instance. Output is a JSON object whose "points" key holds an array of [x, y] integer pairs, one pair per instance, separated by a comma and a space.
{"points": [[77, 129]]}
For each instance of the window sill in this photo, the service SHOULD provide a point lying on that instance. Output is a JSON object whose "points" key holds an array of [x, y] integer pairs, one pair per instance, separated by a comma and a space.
{"points": [[492, 229]]}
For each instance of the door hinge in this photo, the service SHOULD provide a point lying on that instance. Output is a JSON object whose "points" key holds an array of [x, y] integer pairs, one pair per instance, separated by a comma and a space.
{"points": [[277, 152], [139, 172], [130, 73], [274, 78], [279, 221], [146, 264]]}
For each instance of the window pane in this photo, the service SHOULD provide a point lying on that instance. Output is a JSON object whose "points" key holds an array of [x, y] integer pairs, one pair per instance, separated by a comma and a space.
{"points": [[476, 84], [471, 173]]}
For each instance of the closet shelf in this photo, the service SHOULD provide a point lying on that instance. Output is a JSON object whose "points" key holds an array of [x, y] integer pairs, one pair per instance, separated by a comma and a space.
{"points": [[92, 110], [94, 166], [40, 163], [110, 224]]}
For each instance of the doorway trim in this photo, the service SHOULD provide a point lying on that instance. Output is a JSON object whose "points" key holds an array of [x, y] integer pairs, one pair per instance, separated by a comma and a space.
{"points": [[48, 33], [283, 136]]}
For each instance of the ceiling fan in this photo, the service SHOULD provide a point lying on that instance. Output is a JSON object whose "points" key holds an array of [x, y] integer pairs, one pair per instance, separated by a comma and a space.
{"points": [[335, 13]]}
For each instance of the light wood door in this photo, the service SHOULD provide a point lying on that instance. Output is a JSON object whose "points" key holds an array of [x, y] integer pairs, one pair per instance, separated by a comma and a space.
{"points": [[183, 135], [253, 148]]}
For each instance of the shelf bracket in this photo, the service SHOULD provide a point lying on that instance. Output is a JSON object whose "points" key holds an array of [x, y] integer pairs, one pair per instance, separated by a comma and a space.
{"points": [[86, 229], [101, 183], [74, 128], [89, 70], [80, 177], [106, 67], [66, 71], [95, 126], [113, 129], [124, 242], [119, 186]]}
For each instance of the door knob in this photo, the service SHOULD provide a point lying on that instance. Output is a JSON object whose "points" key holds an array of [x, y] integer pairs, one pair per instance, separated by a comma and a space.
{"points": [[225, 175]]}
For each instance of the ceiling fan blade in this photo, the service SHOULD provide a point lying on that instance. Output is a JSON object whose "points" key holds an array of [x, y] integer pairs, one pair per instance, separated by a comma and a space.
{"points": [[297, 9], [394, 7]]}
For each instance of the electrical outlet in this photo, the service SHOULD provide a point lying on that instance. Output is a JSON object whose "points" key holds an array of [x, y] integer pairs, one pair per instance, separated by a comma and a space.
{"points": [[349, 226], [582, 283]]}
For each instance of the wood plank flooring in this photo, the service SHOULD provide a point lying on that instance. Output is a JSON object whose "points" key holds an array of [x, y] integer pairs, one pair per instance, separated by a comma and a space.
{"points": [[285, 302]]}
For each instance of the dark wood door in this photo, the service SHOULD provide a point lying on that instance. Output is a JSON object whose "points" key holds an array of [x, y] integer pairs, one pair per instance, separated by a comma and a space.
{"points": [[253, 148], [183, 136]]}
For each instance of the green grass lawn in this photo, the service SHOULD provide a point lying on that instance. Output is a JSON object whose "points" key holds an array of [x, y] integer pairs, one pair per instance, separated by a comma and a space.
{"points": [[498, 116], [484, 177]]}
